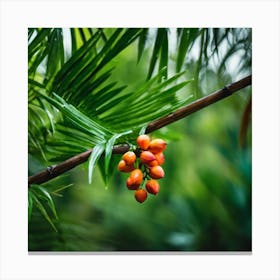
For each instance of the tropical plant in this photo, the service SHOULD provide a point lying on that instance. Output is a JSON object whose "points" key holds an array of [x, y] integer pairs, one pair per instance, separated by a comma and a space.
{"points": [[76, 101]]}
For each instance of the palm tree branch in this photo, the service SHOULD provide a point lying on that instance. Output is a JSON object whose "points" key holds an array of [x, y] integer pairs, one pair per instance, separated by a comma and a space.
{"points": [[54, 171]]}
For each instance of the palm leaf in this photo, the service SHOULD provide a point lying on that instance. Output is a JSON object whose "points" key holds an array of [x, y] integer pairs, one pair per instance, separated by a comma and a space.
{"points": [[160, 37], [39, 196], [55, 50], [186, 37], [94, 156], [38, 41], [142, 42], [79, 102], [30, 205], [163, 63], [78, 119], [92, 111], [109, 149]]}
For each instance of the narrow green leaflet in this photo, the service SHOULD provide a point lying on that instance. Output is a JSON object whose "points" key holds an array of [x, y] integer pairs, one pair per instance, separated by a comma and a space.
{"points": [[94, 156], [182, 49], [111, 170], [78, 119], [41, 193], [73, 41], [55, 52], [90, 90], [49, 114], [83, 35], [37, 42], [156, 50], [73, 137], [58, 190], [186, 38], [109, 148], [110, 99], [126, 39], [30, 205], [74, 65], [30, 32], [40, 197], [163, 63], [142, 42], [77, 73], [44, 212], [145, 107], [133, 97], [33, 141], [36, 60], [143, 129]]}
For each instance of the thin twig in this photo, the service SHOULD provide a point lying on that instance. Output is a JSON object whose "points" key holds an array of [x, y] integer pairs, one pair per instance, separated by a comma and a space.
{"points": [[56, 170]]}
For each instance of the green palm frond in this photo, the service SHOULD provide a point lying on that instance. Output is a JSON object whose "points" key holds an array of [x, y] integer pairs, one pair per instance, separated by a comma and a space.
{"points": [[75, 104], [88, 101], [142, 42], [186, 38], [160, 51], [41, 198]]}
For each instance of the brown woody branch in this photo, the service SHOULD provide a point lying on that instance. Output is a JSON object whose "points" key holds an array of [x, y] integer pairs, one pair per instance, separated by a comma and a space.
{"points": [[56, 170]]}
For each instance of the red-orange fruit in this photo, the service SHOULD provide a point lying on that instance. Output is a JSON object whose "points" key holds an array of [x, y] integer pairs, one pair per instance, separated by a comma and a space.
{"points": [[140, 195], [152, 163], [156, 172], [129, 157], [143, 141], [136, 176], [131, 185], [160, 158], [146, 157], [157, 146], [152, 186], [122, 166]]}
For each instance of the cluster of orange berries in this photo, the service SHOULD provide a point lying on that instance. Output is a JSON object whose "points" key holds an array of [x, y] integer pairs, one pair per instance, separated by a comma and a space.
{"points": [[147, 169]]}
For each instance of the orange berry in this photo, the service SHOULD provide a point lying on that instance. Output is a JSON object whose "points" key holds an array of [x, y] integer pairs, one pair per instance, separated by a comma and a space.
{"points": [[131, 185], [156, 172], [122, 166], [136, 176], [129, 157], [140, 195], [143, 141], [157, 146], [160, 158], [146, 157], [152, 163], [152, 186]]}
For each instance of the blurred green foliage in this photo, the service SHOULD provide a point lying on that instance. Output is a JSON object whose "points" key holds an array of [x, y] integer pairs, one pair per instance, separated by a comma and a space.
{"points": [[204, 203]]}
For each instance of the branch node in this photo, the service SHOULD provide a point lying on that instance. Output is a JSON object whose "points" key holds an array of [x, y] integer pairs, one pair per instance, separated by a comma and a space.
{"points": [[226, 90], [50, 170]]}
